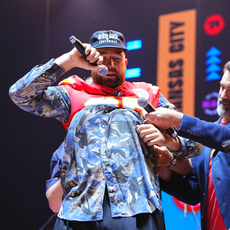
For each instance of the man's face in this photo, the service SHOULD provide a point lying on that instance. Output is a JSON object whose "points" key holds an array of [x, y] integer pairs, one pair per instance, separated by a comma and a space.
{"points": [[223, 107], [116, 62]]}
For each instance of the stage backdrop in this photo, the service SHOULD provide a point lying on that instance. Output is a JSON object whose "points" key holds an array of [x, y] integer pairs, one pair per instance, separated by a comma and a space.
{"points": [[179, 45]]}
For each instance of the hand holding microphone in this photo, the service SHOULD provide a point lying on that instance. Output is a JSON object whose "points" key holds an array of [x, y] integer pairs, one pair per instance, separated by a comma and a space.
{"points": [[79, 46], [143, 102]]}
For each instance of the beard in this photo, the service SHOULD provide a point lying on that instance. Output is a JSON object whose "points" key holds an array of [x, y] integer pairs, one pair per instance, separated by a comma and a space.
{"points": [[223, 112], [106, 81]]}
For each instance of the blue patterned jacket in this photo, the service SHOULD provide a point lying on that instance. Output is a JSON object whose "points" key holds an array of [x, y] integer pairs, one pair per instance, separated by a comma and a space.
{"points": [[102, 150]]}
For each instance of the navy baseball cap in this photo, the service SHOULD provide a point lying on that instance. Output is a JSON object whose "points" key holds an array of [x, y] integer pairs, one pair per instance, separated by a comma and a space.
{"points": [[108, 39]]}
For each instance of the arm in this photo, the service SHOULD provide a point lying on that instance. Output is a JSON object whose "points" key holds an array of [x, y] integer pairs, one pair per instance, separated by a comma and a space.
{"points": [[181, 147], [54, 196], [74, 59], [53, 185], [189, 148], [208, 133], [164, 118], [162, 143], [164, 157], [185, 189], [154, 136], [33, 94]]}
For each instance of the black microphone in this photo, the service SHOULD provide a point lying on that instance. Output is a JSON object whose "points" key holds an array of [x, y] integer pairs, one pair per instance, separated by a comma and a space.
{"points": [[144, 103], [78, 44]]}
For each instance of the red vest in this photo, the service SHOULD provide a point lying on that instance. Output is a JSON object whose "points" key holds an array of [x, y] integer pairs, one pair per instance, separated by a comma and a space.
{"points": [[82, 94]]}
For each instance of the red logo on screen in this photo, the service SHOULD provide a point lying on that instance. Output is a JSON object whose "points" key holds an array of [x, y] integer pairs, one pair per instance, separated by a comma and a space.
{"points": [[214, 24], [182, 206]]}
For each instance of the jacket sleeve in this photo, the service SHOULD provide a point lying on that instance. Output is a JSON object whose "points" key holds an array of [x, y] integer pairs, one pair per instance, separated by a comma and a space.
{"points": [[185, 189], [209, 134], [34, 92], [190, 148], [55, 166]]}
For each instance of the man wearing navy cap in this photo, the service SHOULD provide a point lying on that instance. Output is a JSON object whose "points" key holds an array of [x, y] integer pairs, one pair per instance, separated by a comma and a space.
{"points": [[107, 176]]}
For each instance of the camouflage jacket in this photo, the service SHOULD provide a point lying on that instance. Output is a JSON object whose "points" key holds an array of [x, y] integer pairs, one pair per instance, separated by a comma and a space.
{"points": [[102, 150]]}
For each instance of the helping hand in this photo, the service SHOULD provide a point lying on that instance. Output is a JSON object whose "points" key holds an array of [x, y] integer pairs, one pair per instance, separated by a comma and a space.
{"points": [[164, 118]]}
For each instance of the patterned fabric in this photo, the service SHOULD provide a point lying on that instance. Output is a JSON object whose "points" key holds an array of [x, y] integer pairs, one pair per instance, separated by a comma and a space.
{"points": [[32, 94], [102, 149], [144, 221], [189, 148], [107, 152], [55, 166]]}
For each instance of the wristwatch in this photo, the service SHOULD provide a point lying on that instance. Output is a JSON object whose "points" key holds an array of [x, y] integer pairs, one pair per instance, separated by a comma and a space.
{"points": [[173, 161]]}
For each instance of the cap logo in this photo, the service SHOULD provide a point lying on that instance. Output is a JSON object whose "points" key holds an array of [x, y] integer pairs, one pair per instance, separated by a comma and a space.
{"points": [[107, 36], [105, 39]]}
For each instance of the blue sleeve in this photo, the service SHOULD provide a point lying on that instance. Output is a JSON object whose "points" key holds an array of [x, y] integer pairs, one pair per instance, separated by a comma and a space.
{"points": [[163, 102], [34, 93], [185, 189], [190, 148], [209, 134], [55, 166]]}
